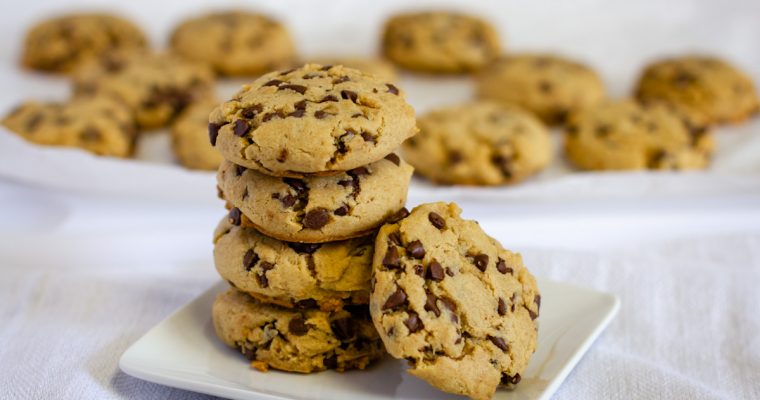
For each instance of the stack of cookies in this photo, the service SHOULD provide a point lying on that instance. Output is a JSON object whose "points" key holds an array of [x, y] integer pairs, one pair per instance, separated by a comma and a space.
{"points": [[308, 175]]}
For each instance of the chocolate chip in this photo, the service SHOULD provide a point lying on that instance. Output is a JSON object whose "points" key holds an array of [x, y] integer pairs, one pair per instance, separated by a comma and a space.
{"points": [[502, 309], [368, 137], [316, 218], [501, 266], [288, 200], [448, 303], [372, 283], [298, 185], [283, 155], [262, 280], [455, 157], [398, 216], [270, 115], [349, 95], [250, 259], [297, 326], [481, 261], [449, 272], [235, 216], [499, 342], [90, 134], [239, 169], [306, 304], [435, 271], [341, 211], [328, 98], [241, 127], [510, 380], [304, 248], [251, 111], [320, 114], [287, 71], [296, 88], [326, 68], [396, 299], [297, 113], [419, 270], [430, 304], [343, 328], [273, 82], [357, 115], [416, 249], [395, 238], [331, 362], [603, 130], [393, 158], [342, 79], [504, 163], [392, 89], [533, 315], [213, 132], [537, 300], [358, 171], [391, 259], [437, 220], [684, 78], [545, 87], [266, 266], [413, 322]]}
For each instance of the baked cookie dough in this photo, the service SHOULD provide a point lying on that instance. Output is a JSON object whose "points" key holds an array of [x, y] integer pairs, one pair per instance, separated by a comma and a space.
{"points": [[708, 85], [327, 276], [189, 135], [481, 143], [234, 42], [626, 135], [382, 69], [453, 302], [63, 43], [295, 340], [98, 125], [311, 120], [552, 87], [440, 42], [317, 209], [156, 87]]}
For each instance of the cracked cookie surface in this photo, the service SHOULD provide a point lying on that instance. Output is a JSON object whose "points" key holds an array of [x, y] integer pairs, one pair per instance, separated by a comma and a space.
{"points": [[189, 134], [301, 275], [626, 135], [316, 209], [453, 302], [311, 120], [440, 42], [295, 340], [550, 86], [234, 42], [99, 125], [63, 43], [708, 85], [482, 143], [156, 87]]}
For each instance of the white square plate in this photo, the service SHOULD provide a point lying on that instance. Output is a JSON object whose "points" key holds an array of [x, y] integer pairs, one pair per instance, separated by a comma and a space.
{"points": [[183, 352]]}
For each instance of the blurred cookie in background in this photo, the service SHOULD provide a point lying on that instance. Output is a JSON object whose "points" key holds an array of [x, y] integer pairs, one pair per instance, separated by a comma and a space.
{"points": [[99, 125], [709, 85], [482, 143], [382, 69], [156, 87], [234, 42], [190, 141], [627, 135], [63, 43], [548, 85], [439, 42]]}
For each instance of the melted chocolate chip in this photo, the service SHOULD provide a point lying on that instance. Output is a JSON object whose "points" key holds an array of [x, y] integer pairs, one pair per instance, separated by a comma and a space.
{"points": [[296, 88], [235, 216], [391, 259], [251, 111], [393, 158], [327, 98], [501, 266], [396, 299], [502, 308], [305, 248], [213, 132], [395, 238], [297, 326], [297, 113], [416, 250], [241, 127], [430, 304], [250, 259], [499, 342], [273, 82], [413, 322], [341, 211], [435, 271], [343, 328], [481, 261], [316, 218], [288, 200], [320, 114], [398, 216], [437, 220], [349, 95]]}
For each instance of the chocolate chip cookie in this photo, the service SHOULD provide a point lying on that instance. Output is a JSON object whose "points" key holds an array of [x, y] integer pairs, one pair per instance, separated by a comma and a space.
{"points": [[453, 302], [550, 86], [189, 135], [481, 143], [327, 276], [316, 209], [63, 43], [156, 87], [440, 42], [376, 66], [99, 125], [234, 42], [313, 120], [708, 85], [626, 135], [295, 340]]}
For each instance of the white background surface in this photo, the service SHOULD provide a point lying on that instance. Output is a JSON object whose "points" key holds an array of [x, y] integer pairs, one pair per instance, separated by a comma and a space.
{"points": [[84, 276]]}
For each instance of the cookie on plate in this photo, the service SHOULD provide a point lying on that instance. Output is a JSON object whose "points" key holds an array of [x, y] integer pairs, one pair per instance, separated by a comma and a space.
{"points": [[453, 302], [63, 43], [99, 125], [234, 42], [626, 135], [156, 87], [550, 86], [303, 341], [316, 209], [481, 143], [189, 135], [708, 85], [311, 120], [440, 42], [326, 276], [376, 66]]}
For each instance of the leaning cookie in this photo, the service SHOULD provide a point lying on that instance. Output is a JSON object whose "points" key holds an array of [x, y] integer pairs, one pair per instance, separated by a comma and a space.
{"points": [[481, 143], [189, 134], [312, 120], [326, 276], [627, 135], [317, 209], [440, 42], [550, 86], [453, 302], [64, 43], [234, 42], [708, 85], [295, 340], [99, 125]]}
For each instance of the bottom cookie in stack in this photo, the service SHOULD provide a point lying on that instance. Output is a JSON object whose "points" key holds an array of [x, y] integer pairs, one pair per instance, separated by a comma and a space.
{"points": [[297, 340]]}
